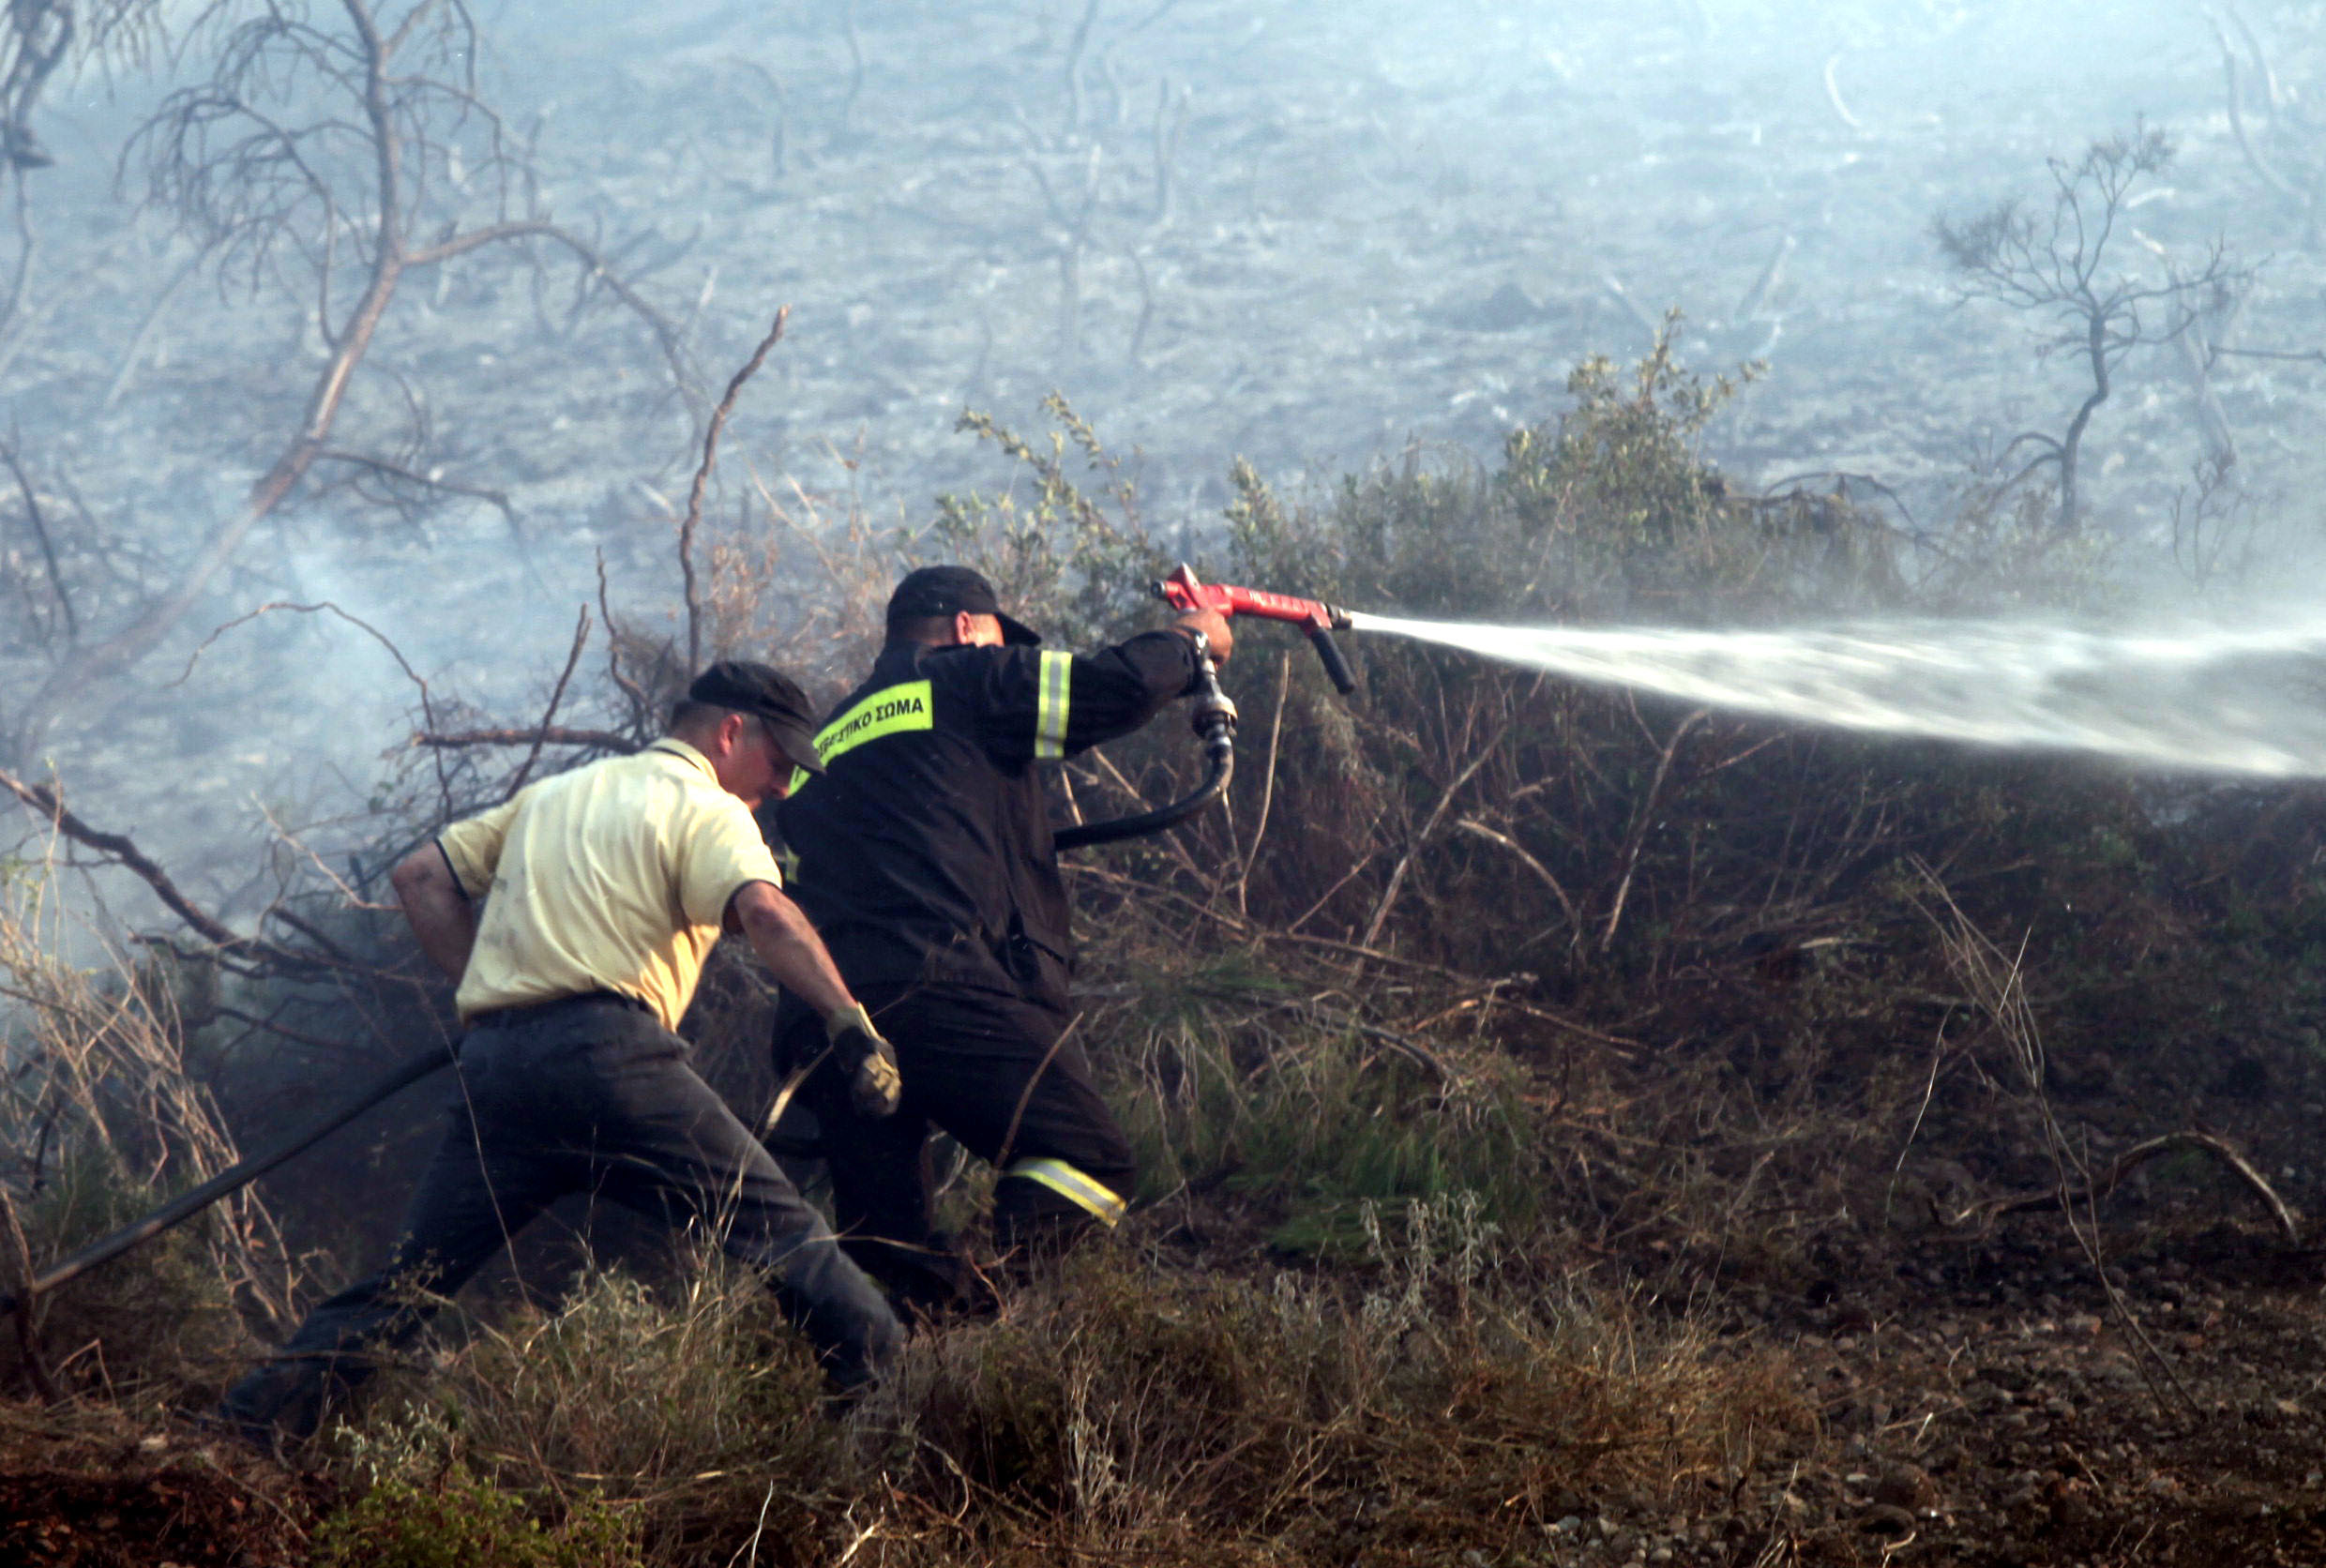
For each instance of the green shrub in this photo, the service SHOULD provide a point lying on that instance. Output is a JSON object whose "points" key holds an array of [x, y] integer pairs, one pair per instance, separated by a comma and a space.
{"points": [[462, 1521], [1306, 1116]]}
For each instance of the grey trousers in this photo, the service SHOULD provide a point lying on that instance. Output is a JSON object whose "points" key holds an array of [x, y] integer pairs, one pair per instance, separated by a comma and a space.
{"points": [[586, 1094]]}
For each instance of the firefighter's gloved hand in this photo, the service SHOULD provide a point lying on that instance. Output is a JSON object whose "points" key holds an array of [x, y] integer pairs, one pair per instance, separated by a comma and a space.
{"points": [[869, 1061]]}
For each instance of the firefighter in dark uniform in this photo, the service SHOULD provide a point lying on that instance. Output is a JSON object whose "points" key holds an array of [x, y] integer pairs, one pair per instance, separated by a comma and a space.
{"points": [[923, 855]]}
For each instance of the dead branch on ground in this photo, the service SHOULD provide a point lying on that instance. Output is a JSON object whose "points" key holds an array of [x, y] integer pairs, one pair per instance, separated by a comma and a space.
{"points": [[1170, 120], [147, 326], [398, 473], [1078, 42], [855, 71], [1979, 1216], [27, 249], [2303, 202], [1071, 237], [642, 706], [1429, 825], [1636, 839]]}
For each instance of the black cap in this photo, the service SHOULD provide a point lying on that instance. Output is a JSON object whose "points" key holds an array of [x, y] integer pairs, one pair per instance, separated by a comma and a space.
{"points": [[949, 591], [762, 692]]}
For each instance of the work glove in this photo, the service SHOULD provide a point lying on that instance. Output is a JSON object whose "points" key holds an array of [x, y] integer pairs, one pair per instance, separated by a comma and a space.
{"points": [[869, 1061]]}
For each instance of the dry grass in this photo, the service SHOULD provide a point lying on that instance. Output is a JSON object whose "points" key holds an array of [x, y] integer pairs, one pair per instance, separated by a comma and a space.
{"points": [[1454, 1398], [102, 1117], [681, 1411]]}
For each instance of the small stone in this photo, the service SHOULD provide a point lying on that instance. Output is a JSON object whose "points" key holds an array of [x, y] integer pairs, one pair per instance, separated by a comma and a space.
{"points": [[1882, 1519], [1906, 1487]]}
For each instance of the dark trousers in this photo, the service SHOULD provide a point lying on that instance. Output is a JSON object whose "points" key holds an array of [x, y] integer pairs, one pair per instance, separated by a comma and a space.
{"points": [[1001, 1075], [586, 1094]]}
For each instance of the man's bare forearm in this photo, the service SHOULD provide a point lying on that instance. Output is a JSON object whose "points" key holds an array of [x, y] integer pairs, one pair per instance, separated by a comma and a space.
{"points": [[442, 918], [789, 946]]}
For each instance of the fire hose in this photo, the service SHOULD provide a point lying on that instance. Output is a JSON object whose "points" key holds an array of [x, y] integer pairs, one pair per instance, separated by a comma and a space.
{"points": [[233, 1179], [1214, 718]]}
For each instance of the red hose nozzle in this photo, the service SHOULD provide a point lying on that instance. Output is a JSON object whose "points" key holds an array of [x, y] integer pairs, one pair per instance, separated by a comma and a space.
{"points": [[1182, 593]]}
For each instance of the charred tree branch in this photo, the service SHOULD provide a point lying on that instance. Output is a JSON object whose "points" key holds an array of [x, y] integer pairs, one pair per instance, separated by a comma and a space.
{"points": [[47, 802], [557, 695], [702, 480], [553, 735], [41, 535], [498, 500]]}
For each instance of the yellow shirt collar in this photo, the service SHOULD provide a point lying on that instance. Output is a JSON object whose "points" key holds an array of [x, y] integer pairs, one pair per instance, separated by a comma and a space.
{"points": [[671, 745]]}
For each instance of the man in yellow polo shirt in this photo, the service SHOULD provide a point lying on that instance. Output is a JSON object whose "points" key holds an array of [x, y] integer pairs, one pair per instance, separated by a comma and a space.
{"points": [[603, 891]]}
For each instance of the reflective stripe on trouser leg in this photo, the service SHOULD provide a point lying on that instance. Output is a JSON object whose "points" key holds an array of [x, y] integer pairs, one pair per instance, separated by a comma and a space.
{"points": [[1071, 1184]]}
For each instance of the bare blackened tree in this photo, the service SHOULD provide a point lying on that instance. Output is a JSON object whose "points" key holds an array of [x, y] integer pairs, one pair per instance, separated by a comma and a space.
{"points": [[330, 154], [39, 35], [36, 38], [33, 43], [2062, 266]]}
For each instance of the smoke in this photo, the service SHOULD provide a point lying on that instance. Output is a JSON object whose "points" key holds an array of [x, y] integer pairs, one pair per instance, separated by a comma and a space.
{"points": [[2250, 700]]}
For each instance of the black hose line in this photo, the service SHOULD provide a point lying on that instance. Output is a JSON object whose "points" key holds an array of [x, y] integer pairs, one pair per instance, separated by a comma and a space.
{"points": [[1221, 768], [241, 1174], [1214, 720]]}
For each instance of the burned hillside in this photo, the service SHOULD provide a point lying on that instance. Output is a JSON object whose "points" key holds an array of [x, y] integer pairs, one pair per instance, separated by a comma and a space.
{"points": [[1574, 1124]]}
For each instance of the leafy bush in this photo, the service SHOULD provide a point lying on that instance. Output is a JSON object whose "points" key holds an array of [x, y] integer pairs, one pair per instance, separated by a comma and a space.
{"points": [[462, 1521], [1229, 1079]]}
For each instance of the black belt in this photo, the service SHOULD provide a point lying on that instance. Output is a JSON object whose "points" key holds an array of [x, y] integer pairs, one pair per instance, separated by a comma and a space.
{"points": [[534, 1012]]}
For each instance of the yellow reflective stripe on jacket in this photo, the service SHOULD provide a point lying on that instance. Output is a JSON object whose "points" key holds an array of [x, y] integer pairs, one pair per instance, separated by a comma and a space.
{"points": [[891, 711], [1049, 719], [1071, 1184]]}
